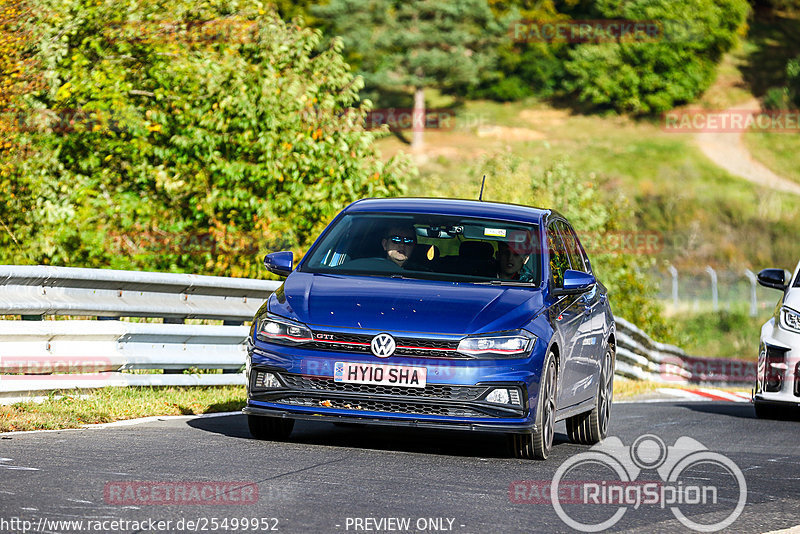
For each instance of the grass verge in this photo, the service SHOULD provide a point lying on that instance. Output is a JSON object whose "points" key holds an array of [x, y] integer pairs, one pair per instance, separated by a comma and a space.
{"points": [[65, 409], [777, 151]]}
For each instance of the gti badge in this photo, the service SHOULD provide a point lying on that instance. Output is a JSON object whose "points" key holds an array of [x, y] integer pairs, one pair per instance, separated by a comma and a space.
{"points": [[383, 345]]}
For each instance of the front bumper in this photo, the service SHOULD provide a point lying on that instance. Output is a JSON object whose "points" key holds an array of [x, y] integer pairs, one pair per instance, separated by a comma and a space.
{"points": [[366, 420], [454, 396], [778, 367]]}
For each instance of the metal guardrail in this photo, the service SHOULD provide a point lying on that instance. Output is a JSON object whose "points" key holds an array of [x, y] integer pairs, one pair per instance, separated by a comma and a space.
{"points": [[640, 357], [38, 356], [44, 290], [93, 346], [34, 355]]}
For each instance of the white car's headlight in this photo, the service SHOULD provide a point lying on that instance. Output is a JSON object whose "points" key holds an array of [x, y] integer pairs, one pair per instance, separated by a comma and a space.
{"points": [[501, 345], [790, 319], [282, 331]]}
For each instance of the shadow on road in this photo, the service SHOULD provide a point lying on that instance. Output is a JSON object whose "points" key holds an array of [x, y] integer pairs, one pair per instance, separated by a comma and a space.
{"points": [[730, 409], [416, 440], [739, 410]]}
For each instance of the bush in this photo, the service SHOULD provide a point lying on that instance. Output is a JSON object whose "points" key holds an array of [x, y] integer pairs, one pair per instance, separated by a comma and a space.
{"points": [[506, 90], [592, 212], [652, 77], [523, 70], [193, 137]]}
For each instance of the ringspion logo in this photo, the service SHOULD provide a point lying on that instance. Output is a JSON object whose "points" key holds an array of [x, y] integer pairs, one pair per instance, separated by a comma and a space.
{"points": [[695, 484]]}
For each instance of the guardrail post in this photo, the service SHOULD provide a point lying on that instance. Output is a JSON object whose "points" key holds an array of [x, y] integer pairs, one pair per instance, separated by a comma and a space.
{"points": [[714, 293], [674, 272], [753, 298]]}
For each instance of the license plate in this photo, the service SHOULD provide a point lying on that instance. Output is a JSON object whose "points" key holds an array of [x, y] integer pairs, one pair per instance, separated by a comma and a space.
{"points": [[381, 375]]}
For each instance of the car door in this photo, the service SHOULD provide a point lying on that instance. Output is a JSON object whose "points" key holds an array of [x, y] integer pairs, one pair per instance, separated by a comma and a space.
{"points": [[586, 364], [566, 316]]}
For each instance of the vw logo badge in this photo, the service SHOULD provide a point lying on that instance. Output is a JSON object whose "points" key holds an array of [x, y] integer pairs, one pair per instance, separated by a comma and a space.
{"points": [[383, 345]]}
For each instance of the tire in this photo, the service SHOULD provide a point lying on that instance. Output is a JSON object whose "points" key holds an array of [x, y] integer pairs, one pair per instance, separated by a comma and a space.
{"points": [[592, 427], [269, 428], [536, 445]]}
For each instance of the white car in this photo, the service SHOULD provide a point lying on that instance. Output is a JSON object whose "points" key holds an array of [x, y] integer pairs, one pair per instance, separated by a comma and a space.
{"points": [[778, 379]]}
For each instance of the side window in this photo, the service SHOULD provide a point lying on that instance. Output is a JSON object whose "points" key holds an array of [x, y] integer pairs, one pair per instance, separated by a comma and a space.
{"points": [[559, 261], [577, 256]]}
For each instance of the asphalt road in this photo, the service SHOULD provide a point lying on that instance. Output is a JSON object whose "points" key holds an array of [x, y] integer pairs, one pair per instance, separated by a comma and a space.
{"points": [[354, 479]]}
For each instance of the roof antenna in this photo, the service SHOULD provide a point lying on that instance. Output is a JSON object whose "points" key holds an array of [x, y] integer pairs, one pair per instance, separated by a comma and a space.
{"points": [[480, 197]]}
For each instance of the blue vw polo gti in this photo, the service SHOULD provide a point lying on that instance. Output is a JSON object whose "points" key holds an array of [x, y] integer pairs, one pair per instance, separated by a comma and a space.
{"points": [[451, 314]]}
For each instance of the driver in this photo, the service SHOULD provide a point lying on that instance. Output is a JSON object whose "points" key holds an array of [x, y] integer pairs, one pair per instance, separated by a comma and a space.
{"points": [[509, 262], [399, 243]]}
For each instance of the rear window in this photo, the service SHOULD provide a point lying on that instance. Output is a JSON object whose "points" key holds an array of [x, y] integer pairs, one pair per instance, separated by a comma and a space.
{"points": [[433, 247]]}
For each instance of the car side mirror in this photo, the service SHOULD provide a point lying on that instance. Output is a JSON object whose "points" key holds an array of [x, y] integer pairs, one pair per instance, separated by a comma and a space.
{"points": [[279, 263], [576, 282], [774, 278]]}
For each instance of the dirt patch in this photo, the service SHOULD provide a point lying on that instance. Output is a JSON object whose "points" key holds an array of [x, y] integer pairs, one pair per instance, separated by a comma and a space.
{"points": [[509, 134], [544, 117]]}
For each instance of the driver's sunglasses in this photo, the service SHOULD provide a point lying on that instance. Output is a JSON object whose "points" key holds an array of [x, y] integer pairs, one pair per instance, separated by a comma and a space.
{"points": [[402, 240]]}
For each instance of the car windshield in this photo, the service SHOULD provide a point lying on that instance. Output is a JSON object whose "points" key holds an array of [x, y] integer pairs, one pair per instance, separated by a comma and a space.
{"points": [[435, 247]]}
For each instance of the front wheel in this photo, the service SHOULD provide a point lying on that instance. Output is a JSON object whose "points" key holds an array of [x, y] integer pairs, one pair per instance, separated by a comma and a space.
{"points": [[592, 427], [269, 428], [537, 444]]}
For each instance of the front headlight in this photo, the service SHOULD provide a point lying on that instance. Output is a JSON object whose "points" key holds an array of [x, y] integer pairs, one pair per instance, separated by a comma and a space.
{"points": [[790, 319], [282, 331], [501, 345]]}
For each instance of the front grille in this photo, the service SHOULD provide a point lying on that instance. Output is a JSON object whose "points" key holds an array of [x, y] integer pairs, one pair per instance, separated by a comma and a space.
{"points": [[388, 406], [433, 391], [406, 346], [433, 399]]}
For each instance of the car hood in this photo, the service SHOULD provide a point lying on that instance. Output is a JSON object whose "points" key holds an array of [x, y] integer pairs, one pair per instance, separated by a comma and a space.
{"points": [[421, 306]]}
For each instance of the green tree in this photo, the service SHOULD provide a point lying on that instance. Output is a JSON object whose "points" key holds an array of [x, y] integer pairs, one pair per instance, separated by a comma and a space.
{"points": [[654, 75], [416, 44], [192, 136], [524, 68]]}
